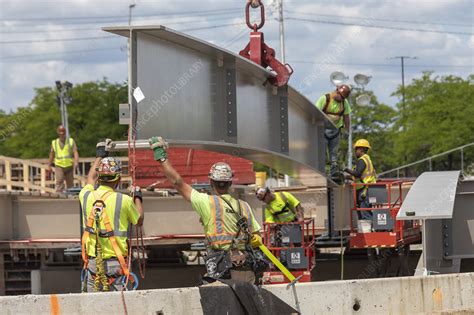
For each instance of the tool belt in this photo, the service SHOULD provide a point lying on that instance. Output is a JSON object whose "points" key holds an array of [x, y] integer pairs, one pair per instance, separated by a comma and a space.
{"points": [[220, 262]]}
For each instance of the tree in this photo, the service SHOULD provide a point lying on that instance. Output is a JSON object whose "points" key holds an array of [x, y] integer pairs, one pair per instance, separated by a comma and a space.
{"points": [[438, 115], [93, 115]]}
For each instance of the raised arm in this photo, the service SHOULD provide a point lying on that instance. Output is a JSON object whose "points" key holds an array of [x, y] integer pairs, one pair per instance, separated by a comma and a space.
{"points": [[100, 153], [92, 176], [159, 147]]}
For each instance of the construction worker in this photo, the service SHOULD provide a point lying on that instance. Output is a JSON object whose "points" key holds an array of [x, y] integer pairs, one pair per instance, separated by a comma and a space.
{"points": [[363, 172], [336, 106], [62, 152], [281, 206], [229, 224], [105, 267]]}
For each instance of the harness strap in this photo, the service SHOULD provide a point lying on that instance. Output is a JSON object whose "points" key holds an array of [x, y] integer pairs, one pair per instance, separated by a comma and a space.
{"points": [[89, 225], [328, 102], [239, 217], [115, 246]]}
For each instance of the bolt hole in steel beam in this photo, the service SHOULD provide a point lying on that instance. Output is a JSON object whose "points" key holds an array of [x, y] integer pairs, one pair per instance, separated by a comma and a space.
{"points": [[356, 306], [198, 92]]}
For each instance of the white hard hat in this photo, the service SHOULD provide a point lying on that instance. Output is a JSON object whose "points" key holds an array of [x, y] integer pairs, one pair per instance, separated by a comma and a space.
{"points": [[221, 172]]}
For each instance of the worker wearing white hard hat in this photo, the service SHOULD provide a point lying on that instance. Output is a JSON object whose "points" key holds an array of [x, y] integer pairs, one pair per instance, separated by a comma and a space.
{"points": [[281, 207], [229, 223]]}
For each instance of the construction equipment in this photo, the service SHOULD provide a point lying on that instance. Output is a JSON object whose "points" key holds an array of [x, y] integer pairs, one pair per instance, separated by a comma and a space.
{"points": [[384, 231], [292, 243], [257, 51]]}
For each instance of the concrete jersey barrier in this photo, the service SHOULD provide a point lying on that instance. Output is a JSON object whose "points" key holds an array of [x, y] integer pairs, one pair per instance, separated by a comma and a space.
{"points": [[407, 295]]}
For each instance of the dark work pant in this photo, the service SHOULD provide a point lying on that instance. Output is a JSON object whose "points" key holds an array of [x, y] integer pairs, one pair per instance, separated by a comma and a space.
{"points": [[363, 202]]}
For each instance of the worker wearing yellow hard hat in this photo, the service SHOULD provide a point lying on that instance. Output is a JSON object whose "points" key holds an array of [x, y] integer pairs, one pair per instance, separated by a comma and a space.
{"points": [[363, 173]]}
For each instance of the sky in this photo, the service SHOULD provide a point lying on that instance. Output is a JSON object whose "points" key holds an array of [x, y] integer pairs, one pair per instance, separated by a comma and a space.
{"points": [[45, 41]]}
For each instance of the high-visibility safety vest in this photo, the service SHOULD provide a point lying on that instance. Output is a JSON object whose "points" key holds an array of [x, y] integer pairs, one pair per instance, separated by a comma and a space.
{"points": [[63, 156], [108, 234], [222, 229], [368, 175], [287, 213], [118, 221]]}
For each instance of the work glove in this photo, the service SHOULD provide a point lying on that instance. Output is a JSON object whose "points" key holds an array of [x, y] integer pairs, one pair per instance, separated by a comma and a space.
{"points": [[348, 170], [256, 241], [136, 192], [159, 146], [101, 149]]}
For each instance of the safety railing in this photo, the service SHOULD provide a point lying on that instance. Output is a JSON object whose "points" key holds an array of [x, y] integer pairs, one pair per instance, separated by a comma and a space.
{"points": [[462, 165], [34, 175]]}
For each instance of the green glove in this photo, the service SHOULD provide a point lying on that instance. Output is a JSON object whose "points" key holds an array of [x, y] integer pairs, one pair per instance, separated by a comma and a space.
{"points": [[159, 146]]}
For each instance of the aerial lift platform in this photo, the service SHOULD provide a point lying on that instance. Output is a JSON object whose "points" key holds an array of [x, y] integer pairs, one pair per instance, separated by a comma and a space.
{"points": [[384, 231]]}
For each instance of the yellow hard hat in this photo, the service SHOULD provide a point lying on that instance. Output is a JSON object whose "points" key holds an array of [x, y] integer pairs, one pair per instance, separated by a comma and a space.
{"points": [[362, 143]]}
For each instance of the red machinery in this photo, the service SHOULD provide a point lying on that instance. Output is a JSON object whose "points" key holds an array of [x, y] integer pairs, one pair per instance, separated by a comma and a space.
{"points": [[293, 244], [386, 198], [257, 51]]}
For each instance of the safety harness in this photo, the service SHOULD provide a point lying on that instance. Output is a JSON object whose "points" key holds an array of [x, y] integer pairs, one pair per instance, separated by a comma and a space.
{"points": [[97, 215], [219, 262], [329, 98], [286, 208]]}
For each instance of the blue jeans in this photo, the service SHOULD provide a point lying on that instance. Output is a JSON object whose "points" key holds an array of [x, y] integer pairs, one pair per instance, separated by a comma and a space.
{"points": [[332, 138], [363, 202]]}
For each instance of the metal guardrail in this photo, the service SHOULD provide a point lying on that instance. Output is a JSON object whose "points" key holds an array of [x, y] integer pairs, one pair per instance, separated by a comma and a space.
{"points": [[430, 159]]}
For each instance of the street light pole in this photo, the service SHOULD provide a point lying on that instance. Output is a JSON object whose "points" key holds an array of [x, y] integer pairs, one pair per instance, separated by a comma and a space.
{"points": [[130, 7], [402, 61], [282, 31]]}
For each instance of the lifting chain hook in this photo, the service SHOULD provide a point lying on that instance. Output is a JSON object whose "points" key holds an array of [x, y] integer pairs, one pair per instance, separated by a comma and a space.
{"points": [[255, 4]]}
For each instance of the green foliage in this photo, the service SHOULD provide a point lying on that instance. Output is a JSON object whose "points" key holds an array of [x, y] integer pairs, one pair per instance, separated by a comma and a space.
{"points": [[438, 115], [93, 115]]}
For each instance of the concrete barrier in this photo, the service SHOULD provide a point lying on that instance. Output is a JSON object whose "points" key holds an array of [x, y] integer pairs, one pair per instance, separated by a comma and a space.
{"points": [[408, 295]]}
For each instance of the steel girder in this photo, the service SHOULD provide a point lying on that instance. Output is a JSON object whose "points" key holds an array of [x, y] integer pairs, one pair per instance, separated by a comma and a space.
{"points": [[208, 97]]}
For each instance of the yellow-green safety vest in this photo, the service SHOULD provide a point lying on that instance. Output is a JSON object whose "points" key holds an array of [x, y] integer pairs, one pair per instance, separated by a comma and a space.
{"points": [[285, 214], [117, 219], [368, 175], [63, 157], [222, 228]]}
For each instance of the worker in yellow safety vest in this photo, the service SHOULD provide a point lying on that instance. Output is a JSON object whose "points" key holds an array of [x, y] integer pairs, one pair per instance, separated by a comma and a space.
{"points": [[106, 217], [281, 206], [66, 158], [363, 172], [229, 224], [337, 108]]}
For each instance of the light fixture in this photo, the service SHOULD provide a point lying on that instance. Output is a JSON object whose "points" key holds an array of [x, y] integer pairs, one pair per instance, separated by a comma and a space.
{"points": [[362, 79], [338, 77], [363, 100]]}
